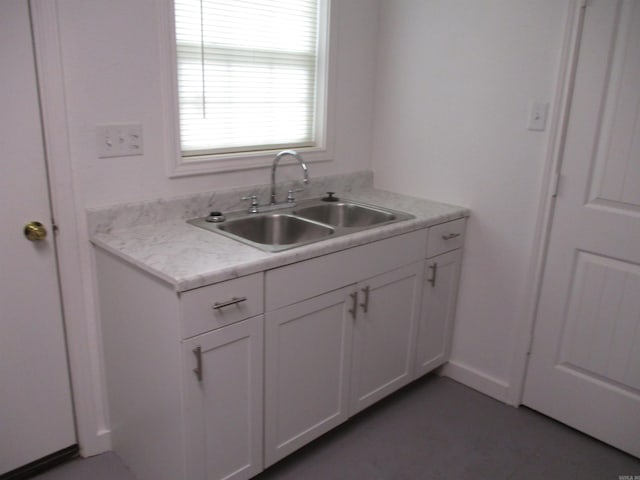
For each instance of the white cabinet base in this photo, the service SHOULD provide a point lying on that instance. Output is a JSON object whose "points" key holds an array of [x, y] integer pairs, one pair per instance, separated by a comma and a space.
{"points": [[202, 386], [165, 423]]}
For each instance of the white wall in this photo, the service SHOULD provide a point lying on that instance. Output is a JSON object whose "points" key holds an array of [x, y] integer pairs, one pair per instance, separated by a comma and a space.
{"points": [[111, 64], [113, 69], [446, 121], [454, 83]]}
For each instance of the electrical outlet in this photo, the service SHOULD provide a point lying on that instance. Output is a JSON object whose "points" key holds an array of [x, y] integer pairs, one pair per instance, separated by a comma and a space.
{"points": [[119, 140]]}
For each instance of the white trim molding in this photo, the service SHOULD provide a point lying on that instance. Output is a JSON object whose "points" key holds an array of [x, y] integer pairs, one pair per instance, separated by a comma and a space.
{"points": [[476, 379], [84, 361], [177, 166], [546, 199]]}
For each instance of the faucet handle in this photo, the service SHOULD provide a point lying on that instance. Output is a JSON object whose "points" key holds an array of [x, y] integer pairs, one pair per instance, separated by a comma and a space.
{"points": [[290, 198], [253, 208]]}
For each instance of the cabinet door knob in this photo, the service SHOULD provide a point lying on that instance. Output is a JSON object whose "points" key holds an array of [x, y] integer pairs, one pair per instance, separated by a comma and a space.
{"points": [[354, 306], [434, 273], [365, 304], [198, 370], [233, 301], [449, 236]]}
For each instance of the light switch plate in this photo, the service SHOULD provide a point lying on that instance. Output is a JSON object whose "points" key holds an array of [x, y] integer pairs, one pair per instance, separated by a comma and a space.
{"points": [[119, 140], [538, 116]]}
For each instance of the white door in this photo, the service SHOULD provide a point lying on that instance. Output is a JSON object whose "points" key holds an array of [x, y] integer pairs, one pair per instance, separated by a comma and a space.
{"points": [[35, 398], [584, 368]]}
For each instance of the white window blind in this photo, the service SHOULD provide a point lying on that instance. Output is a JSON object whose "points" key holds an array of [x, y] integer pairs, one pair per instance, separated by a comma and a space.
{"points": [[247, 74]]}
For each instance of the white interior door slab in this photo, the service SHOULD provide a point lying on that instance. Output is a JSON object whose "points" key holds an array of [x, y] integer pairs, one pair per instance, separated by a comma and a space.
{"points": [[584, 369], [36, 416]]}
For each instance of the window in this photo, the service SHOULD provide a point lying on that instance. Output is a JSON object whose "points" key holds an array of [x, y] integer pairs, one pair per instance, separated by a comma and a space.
{"points": [[251, 75]]}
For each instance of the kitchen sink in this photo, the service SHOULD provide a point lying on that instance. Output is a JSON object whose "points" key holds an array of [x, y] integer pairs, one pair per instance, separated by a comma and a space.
{"points": [[303, 223], [276, 229], [345, 214]]}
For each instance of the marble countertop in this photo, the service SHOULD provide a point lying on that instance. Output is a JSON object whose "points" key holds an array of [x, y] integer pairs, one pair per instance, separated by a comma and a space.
{"points": [[189, 257]]}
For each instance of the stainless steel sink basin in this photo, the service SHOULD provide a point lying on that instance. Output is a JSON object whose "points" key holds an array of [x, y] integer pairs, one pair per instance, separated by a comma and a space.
{"points": [[345, 214], [309, 221], [276, 229]]}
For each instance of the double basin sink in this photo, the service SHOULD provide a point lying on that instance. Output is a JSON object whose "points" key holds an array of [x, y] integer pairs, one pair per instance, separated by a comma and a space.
{"points": [[307, 222]]}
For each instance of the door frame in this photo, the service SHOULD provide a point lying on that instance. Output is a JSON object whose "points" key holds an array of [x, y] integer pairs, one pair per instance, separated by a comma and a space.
{"points": [[546, 199], [72, 257]]}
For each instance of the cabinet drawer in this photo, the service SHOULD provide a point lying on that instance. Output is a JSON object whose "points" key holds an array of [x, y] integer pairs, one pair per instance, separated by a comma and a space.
{"points": [[215, 306], [296, 282], [445, 237]]}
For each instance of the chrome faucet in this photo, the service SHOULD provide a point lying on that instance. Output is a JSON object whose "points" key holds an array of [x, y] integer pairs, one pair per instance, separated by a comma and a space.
{"points": [[290, 201], [305, 171]]}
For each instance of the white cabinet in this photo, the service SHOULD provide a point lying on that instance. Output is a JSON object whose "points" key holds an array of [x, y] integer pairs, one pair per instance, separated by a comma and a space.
{"points": [[445, 237], [307, 362], [221, 381], [340, 335], [332, 355], [167, 421], [223, 401], [384, 334], [440, 289], [214, 306]]}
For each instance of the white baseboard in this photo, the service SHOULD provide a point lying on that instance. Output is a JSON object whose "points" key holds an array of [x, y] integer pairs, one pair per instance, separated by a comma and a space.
{"points": [[99, 444], [476, 379]]}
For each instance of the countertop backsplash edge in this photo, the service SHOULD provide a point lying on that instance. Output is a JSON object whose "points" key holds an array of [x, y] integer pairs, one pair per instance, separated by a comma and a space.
{"points": [[125, 215]]}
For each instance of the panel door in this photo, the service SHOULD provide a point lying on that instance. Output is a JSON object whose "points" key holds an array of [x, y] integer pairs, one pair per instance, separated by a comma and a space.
{"points": [[307, 359], [440, 289], [384, 334], [36, 416], [584, 368], [223, 385]]}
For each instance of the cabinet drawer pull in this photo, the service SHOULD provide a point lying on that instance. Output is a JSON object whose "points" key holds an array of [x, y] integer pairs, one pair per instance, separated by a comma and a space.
{"points": [[354, 307], [434, 270], [365, 304], [450, 236], [233, 301], [198, 370]]}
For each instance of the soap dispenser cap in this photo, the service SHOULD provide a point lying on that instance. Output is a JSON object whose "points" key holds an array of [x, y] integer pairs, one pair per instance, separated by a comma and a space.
{"points": [[215, 217], [330, 197]]}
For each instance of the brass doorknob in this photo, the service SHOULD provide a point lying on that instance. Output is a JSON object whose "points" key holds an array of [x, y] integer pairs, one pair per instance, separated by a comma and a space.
{"points": [[35, 231]]}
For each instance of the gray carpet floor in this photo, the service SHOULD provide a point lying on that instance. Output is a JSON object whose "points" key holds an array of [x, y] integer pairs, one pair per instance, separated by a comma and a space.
{"points": [[433, 429]]}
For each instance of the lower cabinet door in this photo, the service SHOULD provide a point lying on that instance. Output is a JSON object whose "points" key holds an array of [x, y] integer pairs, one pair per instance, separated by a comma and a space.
{"points": [[438, 310], [223, 394], [307, 357], [384, 334]]}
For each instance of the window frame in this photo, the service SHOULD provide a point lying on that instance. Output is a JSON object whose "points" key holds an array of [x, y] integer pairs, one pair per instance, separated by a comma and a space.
{"points": [[179, 165]]}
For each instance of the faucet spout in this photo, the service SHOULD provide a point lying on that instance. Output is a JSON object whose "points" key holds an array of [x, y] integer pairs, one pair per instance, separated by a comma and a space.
{"points": [[274, 165]]}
